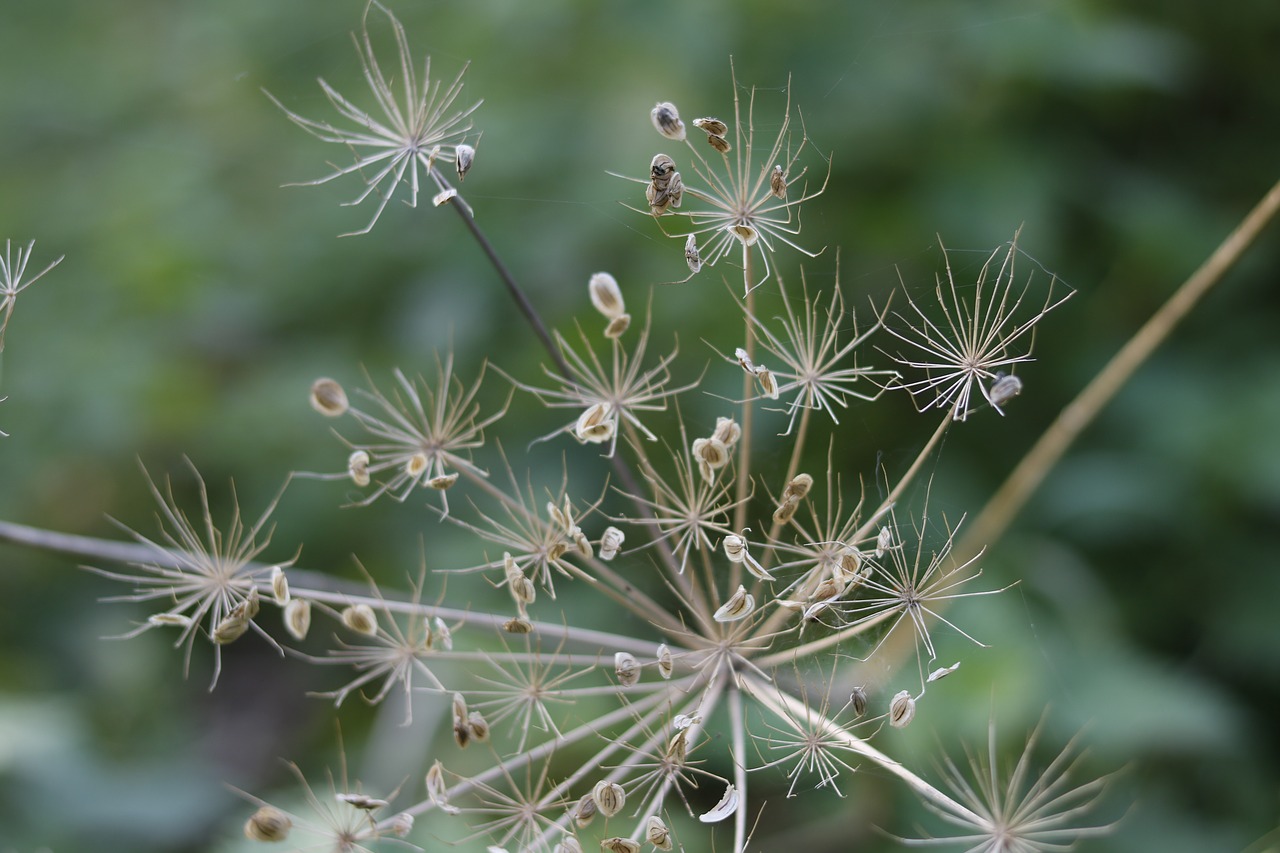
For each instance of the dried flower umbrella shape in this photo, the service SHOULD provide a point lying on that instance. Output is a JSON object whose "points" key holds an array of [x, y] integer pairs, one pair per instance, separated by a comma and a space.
{"points": [[743, 195], [980, 337], [11, 283], [420, 126], [207, 577]]}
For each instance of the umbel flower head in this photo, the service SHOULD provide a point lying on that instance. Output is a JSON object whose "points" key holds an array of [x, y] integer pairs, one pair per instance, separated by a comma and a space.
{"points": [[418, 127], [11, 281]]}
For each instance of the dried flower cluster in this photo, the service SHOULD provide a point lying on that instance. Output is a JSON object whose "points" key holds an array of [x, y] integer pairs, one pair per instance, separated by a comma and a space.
{"points": [[651, 648]]}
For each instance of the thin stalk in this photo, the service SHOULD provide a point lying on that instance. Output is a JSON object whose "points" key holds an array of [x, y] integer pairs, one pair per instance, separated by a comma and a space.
{"points": [[743, 485]]}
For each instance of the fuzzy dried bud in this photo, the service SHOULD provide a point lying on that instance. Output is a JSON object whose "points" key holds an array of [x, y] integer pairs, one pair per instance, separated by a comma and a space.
{"points": [[666, 120], [627, 668], [358, 468], [297, 618], [902, 710], [595, 425], [268, 824], [711, 126], [611, 543], [778, 183], [279, 586], [656, 833], [361, 619], [328, 398], [363, 802], [692, 256], [465, 156], [609, 797], [739, 605], [618, 844], [666, 665], [858, 701], [605, 295]]}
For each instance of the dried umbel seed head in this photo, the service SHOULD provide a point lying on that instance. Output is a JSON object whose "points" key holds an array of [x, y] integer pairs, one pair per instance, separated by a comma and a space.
{"points": [[605, 295], [618, 844], [611, 543], [361, 619], [902, 710], [268, 824], [778, 183], [444, 482], [691, 254], [595, 425], [617, 326], [719, 143], [666, 665], [656, 833], [739, 606], [358, 468], [666, 120], [712, 126], [584, 811], [609, 797], [858, 701], [297, 618], [464, 157], [364, 802], [627, 668], [328, 398]]}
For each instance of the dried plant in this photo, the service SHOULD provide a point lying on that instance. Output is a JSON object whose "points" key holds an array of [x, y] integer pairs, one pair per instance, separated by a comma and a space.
{"points": [[644, 650]]}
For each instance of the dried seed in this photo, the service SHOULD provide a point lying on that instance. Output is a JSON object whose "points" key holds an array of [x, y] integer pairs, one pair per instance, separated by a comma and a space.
{"points": [[727, 431], [678, 747], [297, 618], [1003, 389], [618, 844], [656, 833], [902, 710], [728, 805], [328, 398], [443, 635], [858, 699], [661, 168], [402, 824], [611, 542], [279, 586], [174, 620], [444, 197], [464, 156], [584, 811], [665, 663], [518, 625], [798, 486], [627, 668], [596, 424], [682, 721], [438, 790], [605, 295], [768, 385], [739, 605], [582, 543], [461, 729], [850, 566], [617, 326], [720, 144], [358, 468], [884, 541], [711, 451], [268, 824], [568, 845], [230, 628], [478, 726], [786, 510], [361, 619], [778, 183], [609, 797], [361, 801], [443, 482], [712, 126], [691, 255], [746, 234], [666, 120], [735, 548], [943, 672], [745, 360]]}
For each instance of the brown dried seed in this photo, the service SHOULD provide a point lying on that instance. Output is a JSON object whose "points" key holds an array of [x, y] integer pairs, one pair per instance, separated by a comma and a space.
{"points": [[778, 183], [656, 833], [609, 797], [605, 295], [858, 699], [739, 605], [768, 385], [798, 486], [713, 126], [618, 844], [617, 326], [444, 482], [678, 746], [361, 619], [902, 710], [584, 811], [358, 468], [268, 824], [464, 157], [666, 120], [719, 143], [297, 618], [786, 510], [627, 668], [328, 398], [661, 168], [519, 625]]}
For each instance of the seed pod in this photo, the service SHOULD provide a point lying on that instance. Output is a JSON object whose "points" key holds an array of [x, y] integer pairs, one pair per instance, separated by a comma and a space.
{"points": [[884, 540], [169, 620], [942, 672], [568, 845], [556, 551], [581, 543], [595, 425], [735, 548], [605, 295], [402, 824], [712, 126], [443, 635], [798, 486], [825, 591], [363, 802], [416, 465], [656, 833], [361, 619], [358, 468], [611, 542], [444, 482], [279, 586], [609, 797], [719, 143], [902, 710], [678, 747], [519, 625], [461, 731], [248, 608], [1003, 389], [627, 668], [444, 197], [297, 618], [438, 790], [691, 255], [680, 722], [328, 398], [617, 326], [618, 844], [858, 700], [666, 120], [745, 360], [231, 627], [464, 156], [268, 824], [478, 726], [727, 431], [675, 189], [786, 510], [728, 805], [712, 452], [665, 663], [850, 565], [745, 234], [778, 183], [584, 811], [768, 385], [739, 605], [661, 168]]}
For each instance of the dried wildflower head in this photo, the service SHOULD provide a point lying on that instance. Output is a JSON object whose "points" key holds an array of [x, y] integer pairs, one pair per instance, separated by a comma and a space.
{"points": [[419, 126], [978, 337], [11, 283]]}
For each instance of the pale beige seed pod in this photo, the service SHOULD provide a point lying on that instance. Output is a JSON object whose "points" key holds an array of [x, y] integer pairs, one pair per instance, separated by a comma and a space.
{"points": [[444, 636], [680, 722], [328, 398], [711, 455], [825, 591], [711, 126], [666, 664], [478, 726], [675, 189], [595, 425], [605, 295], [657, 834], [568, 844], [661, 168], [745, 360], [582, 543], [611, 543], [617, 326], [850, 565], [739, 605], [444, 197], [358, 468], [902, 710], [778, 183], [363, 802], [438, 789], [747, 235], [618, 844], [727, 806], [169, 620], [678, 747], [798, 486], [416, 465], [627, 668], [692, 256], [858, 701], [249, 607], [735, 548], [361, 619], [583, 811], [444, 482], [609, 797], [297, 618], [231, 627], [786, 510], [461, 723], [942, 672], [658, 199], [268, 824], [1003, 389], [884, 540], [719, 143], [464, 157], [279, 586], [768, 384], [402, 825], [727, 431], [519, 625], [666, 120], [556, 551]]}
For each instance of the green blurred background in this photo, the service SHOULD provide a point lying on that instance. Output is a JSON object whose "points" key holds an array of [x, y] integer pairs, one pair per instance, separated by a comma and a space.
{"points": [[198, 300]]}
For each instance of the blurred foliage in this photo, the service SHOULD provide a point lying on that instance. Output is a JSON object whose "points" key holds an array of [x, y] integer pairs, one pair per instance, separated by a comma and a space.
{"points": [[198, 300]]}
